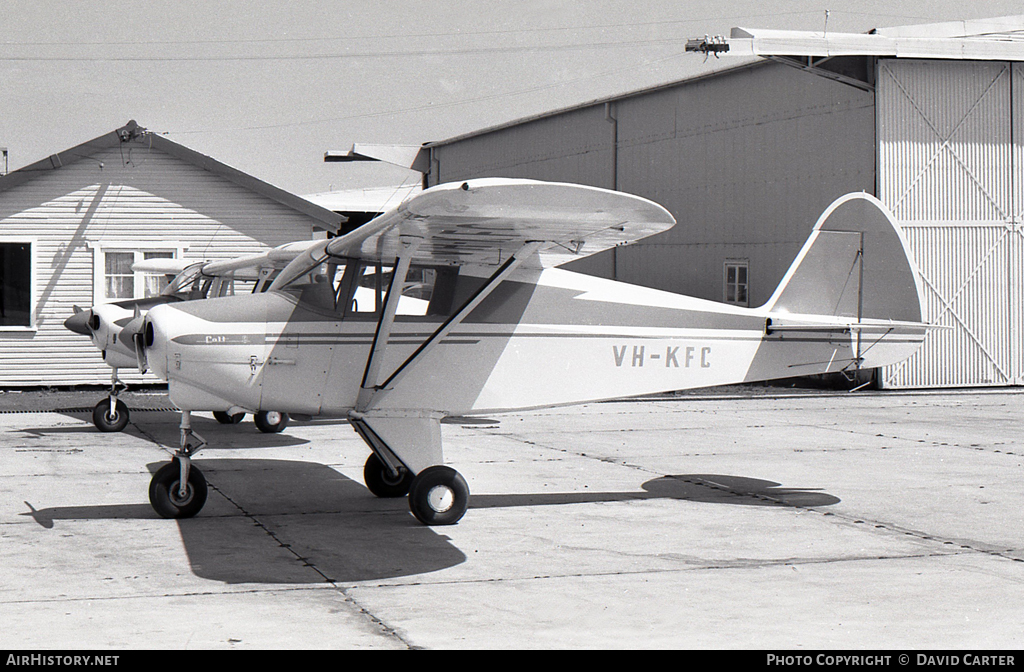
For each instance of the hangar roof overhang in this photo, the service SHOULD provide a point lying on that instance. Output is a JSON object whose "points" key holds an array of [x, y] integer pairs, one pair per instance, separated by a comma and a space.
{"points": [[843, 56], [1001, 38]]}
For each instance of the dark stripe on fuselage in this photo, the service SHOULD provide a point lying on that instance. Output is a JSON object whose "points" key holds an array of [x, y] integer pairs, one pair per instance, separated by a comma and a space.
{"points": [[318, 338], [511, 303]]}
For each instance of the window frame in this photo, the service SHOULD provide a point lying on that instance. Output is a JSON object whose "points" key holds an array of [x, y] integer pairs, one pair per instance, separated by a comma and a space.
{"points": [[33, 244], [139, 249], [737, 264]]}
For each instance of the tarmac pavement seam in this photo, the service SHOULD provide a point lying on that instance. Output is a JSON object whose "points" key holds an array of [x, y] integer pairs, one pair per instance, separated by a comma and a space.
{"points": [[741, 564], [378, 623], [61, 599]]}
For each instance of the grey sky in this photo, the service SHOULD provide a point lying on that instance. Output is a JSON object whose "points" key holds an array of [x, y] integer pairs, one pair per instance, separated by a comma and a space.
{"points": [[267, 87]]}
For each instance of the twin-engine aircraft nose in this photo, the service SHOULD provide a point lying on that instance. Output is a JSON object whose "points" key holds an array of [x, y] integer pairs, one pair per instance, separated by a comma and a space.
{"points": [[82, 322]]}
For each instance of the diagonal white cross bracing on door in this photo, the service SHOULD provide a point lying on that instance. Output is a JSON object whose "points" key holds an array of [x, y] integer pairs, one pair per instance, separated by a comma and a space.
{"points": [[946, 145]]}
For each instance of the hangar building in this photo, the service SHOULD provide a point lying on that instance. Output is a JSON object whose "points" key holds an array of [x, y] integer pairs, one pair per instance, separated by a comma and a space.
{"points": [[930, 119], [72, 225]]}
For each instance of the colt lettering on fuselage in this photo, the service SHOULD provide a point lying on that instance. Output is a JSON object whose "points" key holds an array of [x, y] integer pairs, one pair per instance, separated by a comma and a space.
{"points": [[671, 358]]}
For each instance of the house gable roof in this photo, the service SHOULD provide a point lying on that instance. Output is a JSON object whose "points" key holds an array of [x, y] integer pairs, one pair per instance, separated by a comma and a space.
{"points": [[133, 133]]}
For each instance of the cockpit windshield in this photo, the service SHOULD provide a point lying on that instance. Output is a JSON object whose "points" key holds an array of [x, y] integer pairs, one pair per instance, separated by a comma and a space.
{"points": [[357, 288], [183, 281]]}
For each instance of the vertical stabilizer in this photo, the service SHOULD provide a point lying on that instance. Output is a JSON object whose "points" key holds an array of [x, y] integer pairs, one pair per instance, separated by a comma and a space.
{"points": [[855, 264]]}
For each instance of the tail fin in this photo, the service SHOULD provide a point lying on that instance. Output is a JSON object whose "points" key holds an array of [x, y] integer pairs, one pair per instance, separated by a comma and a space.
{"points": [[855, 264]]}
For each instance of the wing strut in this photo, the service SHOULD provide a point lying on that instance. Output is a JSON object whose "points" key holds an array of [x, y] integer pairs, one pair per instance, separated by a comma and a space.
{"points": [[513, 262], [386, 322]]}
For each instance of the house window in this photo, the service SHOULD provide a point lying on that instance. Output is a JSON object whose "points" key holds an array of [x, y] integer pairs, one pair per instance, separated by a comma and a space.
{"points": [[120, 282], [736, 287], [15, 284]]}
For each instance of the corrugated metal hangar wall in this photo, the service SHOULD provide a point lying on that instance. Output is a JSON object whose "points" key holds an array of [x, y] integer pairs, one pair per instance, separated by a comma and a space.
{"points": [[747, 159], [949, 153]]}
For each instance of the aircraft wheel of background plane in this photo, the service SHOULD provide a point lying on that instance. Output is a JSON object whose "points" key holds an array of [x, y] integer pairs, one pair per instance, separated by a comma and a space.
{"points": [[270, 422], [225, 419], [381, 482], [439, 496], [106, 421], [165, 495]]}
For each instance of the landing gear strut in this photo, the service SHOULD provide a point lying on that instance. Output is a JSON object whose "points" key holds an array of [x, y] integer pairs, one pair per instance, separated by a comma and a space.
{"points": [[111, 414], [178, 489]]}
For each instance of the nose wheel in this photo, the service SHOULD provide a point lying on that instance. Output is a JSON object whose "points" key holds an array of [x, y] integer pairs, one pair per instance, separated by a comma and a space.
{"points": [[178, 489], [169, 498], [110, 415], [439, 496]]}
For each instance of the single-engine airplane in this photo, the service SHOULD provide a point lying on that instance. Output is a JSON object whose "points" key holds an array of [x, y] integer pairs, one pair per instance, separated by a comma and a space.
{"points": [[192, 280], [469, 315]]}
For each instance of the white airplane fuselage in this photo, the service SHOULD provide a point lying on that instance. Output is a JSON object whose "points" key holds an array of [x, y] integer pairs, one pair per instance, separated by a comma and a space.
{"points": [[551, 338]]}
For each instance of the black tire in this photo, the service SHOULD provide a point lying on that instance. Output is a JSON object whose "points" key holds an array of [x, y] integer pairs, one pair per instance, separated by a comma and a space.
{"points": [[270, 422], [163, 491], [225, 419], [105, 422], [381, 482], [439, 496]]}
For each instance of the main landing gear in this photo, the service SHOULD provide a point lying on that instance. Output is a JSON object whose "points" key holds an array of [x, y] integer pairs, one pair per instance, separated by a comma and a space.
{"points": [[438, 495], [268, 422], [178, 489], [111, 414]]}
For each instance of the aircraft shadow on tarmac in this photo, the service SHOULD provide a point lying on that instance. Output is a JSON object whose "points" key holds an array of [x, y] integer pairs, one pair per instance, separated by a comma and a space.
{"points": [[163, 428], [281, 521], [707, 488]]}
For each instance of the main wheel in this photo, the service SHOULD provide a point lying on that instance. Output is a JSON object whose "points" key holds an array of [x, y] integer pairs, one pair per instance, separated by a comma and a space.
{"points": [[107, 422], [438, 496], [164, 492], [225, 419], [381, 482], [270, 422]]}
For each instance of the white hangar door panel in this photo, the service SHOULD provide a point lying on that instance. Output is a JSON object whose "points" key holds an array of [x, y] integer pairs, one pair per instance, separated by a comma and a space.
{"points": [[950, 172]]}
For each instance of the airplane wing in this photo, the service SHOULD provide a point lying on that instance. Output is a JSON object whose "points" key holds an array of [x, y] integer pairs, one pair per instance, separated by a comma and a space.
{"points": [[163, 266], [276, 257], [249, 264], [483, 222]]}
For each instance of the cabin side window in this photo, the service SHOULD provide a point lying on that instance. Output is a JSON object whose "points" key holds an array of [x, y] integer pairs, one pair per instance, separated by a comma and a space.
{"points": [[357, 289], [421, 293]]}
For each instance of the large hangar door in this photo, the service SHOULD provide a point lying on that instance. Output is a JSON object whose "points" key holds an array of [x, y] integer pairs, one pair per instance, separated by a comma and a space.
{"points": [[950, 170]]}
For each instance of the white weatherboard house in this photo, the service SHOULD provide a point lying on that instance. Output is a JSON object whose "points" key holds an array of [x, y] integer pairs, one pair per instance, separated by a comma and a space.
{"points": [[72, 225]]}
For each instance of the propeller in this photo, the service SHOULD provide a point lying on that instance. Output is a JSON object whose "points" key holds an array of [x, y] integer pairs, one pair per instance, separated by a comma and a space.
{"points": [[133, 335], [82, 322]]}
